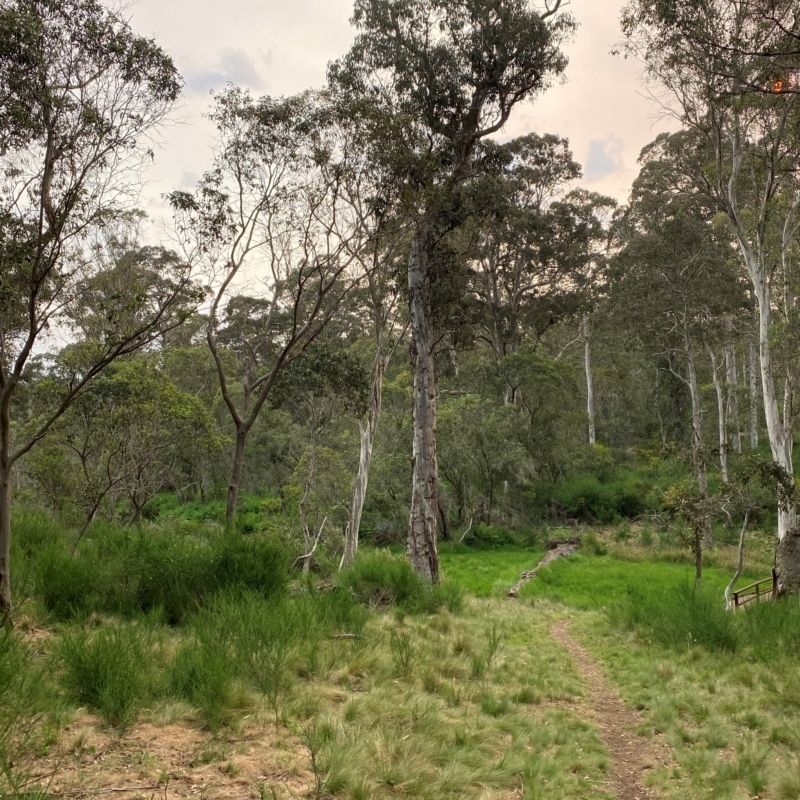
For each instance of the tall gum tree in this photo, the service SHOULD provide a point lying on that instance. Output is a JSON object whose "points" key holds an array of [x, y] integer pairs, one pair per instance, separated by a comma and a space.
{"points": [[717, 62], [279, 206], [673, 282], [438, 77], [80, 94]]}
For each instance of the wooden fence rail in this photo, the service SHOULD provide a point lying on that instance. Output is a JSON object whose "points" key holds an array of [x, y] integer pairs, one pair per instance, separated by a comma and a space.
{"points": [[757, 592]]}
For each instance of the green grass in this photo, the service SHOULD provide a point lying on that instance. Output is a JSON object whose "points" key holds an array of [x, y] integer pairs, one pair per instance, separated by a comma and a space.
{"points": [[486, 573], [587, 581]]}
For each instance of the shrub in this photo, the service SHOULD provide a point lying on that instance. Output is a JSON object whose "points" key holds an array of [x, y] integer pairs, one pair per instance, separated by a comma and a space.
{"points": [[381, 579], [180, 574], [771, 630], [107, 670], [250, 562], [69, 586], [23, 699], [677, 618], [202, 671], [173, 574]]}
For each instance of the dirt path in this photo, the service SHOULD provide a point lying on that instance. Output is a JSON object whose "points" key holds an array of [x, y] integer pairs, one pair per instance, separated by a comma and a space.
{"points": [[631, 755]]}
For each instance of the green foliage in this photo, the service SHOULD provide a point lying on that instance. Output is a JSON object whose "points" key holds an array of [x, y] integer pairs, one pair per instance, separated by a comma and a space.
{"points": [[116, 570], [201, 671], [108, 670], [683, 616], [24, 698], [380, 579]]}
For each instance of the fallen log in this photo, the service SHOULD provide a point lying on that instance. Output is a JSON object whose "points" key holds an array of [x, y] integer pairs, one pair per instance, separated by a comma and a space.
{"points": [[556, 549]]}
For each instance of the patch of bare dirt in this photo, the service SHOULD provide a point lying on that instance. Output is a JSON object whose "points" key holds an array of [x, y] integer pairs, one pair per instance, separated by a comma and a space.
{"points": [[631, 755], [173, 761]]}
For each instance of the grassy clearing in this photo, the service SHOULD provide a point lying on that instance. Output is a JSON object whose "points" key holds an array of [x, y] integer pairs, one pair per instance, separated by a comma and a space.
{"points": [[588, 581], [381, 687], [731, 721], [487, 573]]}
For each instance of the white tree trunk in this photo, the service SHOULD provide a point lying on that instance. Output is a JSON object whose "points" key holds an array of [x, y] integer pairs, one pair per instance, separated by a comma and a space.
{"points": [[367, 430], [780, 439], [589, 379], [753, 395], [732, 409], [421, 546], [723, 435], [698, 444]]}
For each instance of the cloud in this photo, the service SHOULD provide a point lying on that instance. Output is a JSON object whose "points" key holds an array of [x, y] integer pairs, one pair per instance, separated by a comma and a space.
{"points": [[189, 180], [604, 157], [233, 66]]}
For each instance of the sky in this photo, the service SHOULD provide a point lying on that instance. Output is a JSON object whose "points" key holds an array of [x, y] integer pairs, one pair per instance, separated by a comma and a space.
{"points": [[280, 47]]}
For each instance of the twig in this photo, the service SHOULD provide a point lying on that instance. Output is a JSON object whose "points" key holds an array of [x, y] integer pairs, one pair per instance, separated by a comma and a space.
{"points": [[114, 790]]}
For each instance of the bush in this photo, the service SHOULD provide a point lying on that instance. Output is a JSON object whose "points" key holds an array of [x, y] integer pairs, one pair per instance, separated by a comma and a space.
{"points": [[180, 574], [70, 587], [23, 699], [107, 670], [771, 630], [381, 579], [202, 670]]}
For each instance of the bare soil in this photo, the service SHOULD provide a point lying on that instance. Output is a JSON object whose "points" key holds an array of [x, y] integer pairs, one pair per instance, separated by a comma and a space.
{"points": [[173, 761], [631, 755]]}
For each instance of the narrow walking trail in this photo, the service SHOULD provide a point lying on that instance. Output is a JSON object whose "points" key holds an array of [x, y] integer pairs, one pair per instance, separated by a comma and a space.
{"points": [[631, 755]]}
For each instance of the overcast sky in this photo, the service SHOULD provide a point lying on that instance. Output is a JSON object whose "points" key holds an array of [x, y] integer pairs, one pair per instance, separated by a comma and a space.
{"points": [[280, 47]]}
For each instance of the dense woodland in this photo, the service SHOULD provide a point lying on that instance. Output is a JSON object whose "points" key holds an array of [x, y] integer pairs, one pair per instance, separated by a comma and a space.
{"points": [[376, 320], [375, 309]]}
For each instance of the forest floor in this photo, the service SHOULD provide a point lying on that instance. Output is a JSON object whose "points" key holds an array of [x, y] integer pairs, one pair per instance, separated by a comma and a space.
{"points": [[546, 696]]}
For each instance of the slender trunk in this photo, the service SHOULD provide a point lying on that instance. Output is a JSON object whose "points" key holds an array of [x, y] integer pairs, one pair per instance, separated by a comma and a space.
{"points": [[445, 524], [780, 438], [753, 396], [698, 445], [236, 478], [421, 546], [739, 564], [589, 380], [723, 435], [5, 510], [698, 557], [307, 536], [5, 547], [732, 405]]}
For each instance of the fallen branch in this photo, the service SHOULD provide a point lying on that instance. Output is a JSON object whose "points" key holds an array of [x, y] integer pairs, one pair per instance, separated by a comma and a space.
{"points": [[561, 550]]}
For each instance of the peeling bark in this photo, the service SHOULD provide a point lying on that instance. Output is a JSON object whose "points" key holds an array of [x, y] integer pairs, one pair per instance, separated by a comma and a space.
{"points": [[421, 547]]}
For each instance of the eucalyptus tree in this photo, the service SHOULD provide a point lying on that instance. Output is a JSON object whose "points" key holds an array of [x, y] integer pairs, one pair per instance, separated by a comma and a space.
{"points": [[80, 94], [539, 244], [674, 279], [709, 57], [436, 78], [278, 208], [123, 439], [325, 381], [382, 300]]}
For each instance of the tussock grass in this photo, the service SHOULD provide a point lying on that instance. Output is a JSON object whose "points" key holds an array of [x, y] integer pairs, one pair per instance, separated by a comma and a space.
{"points": [[731, 720], [109, 670]]}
